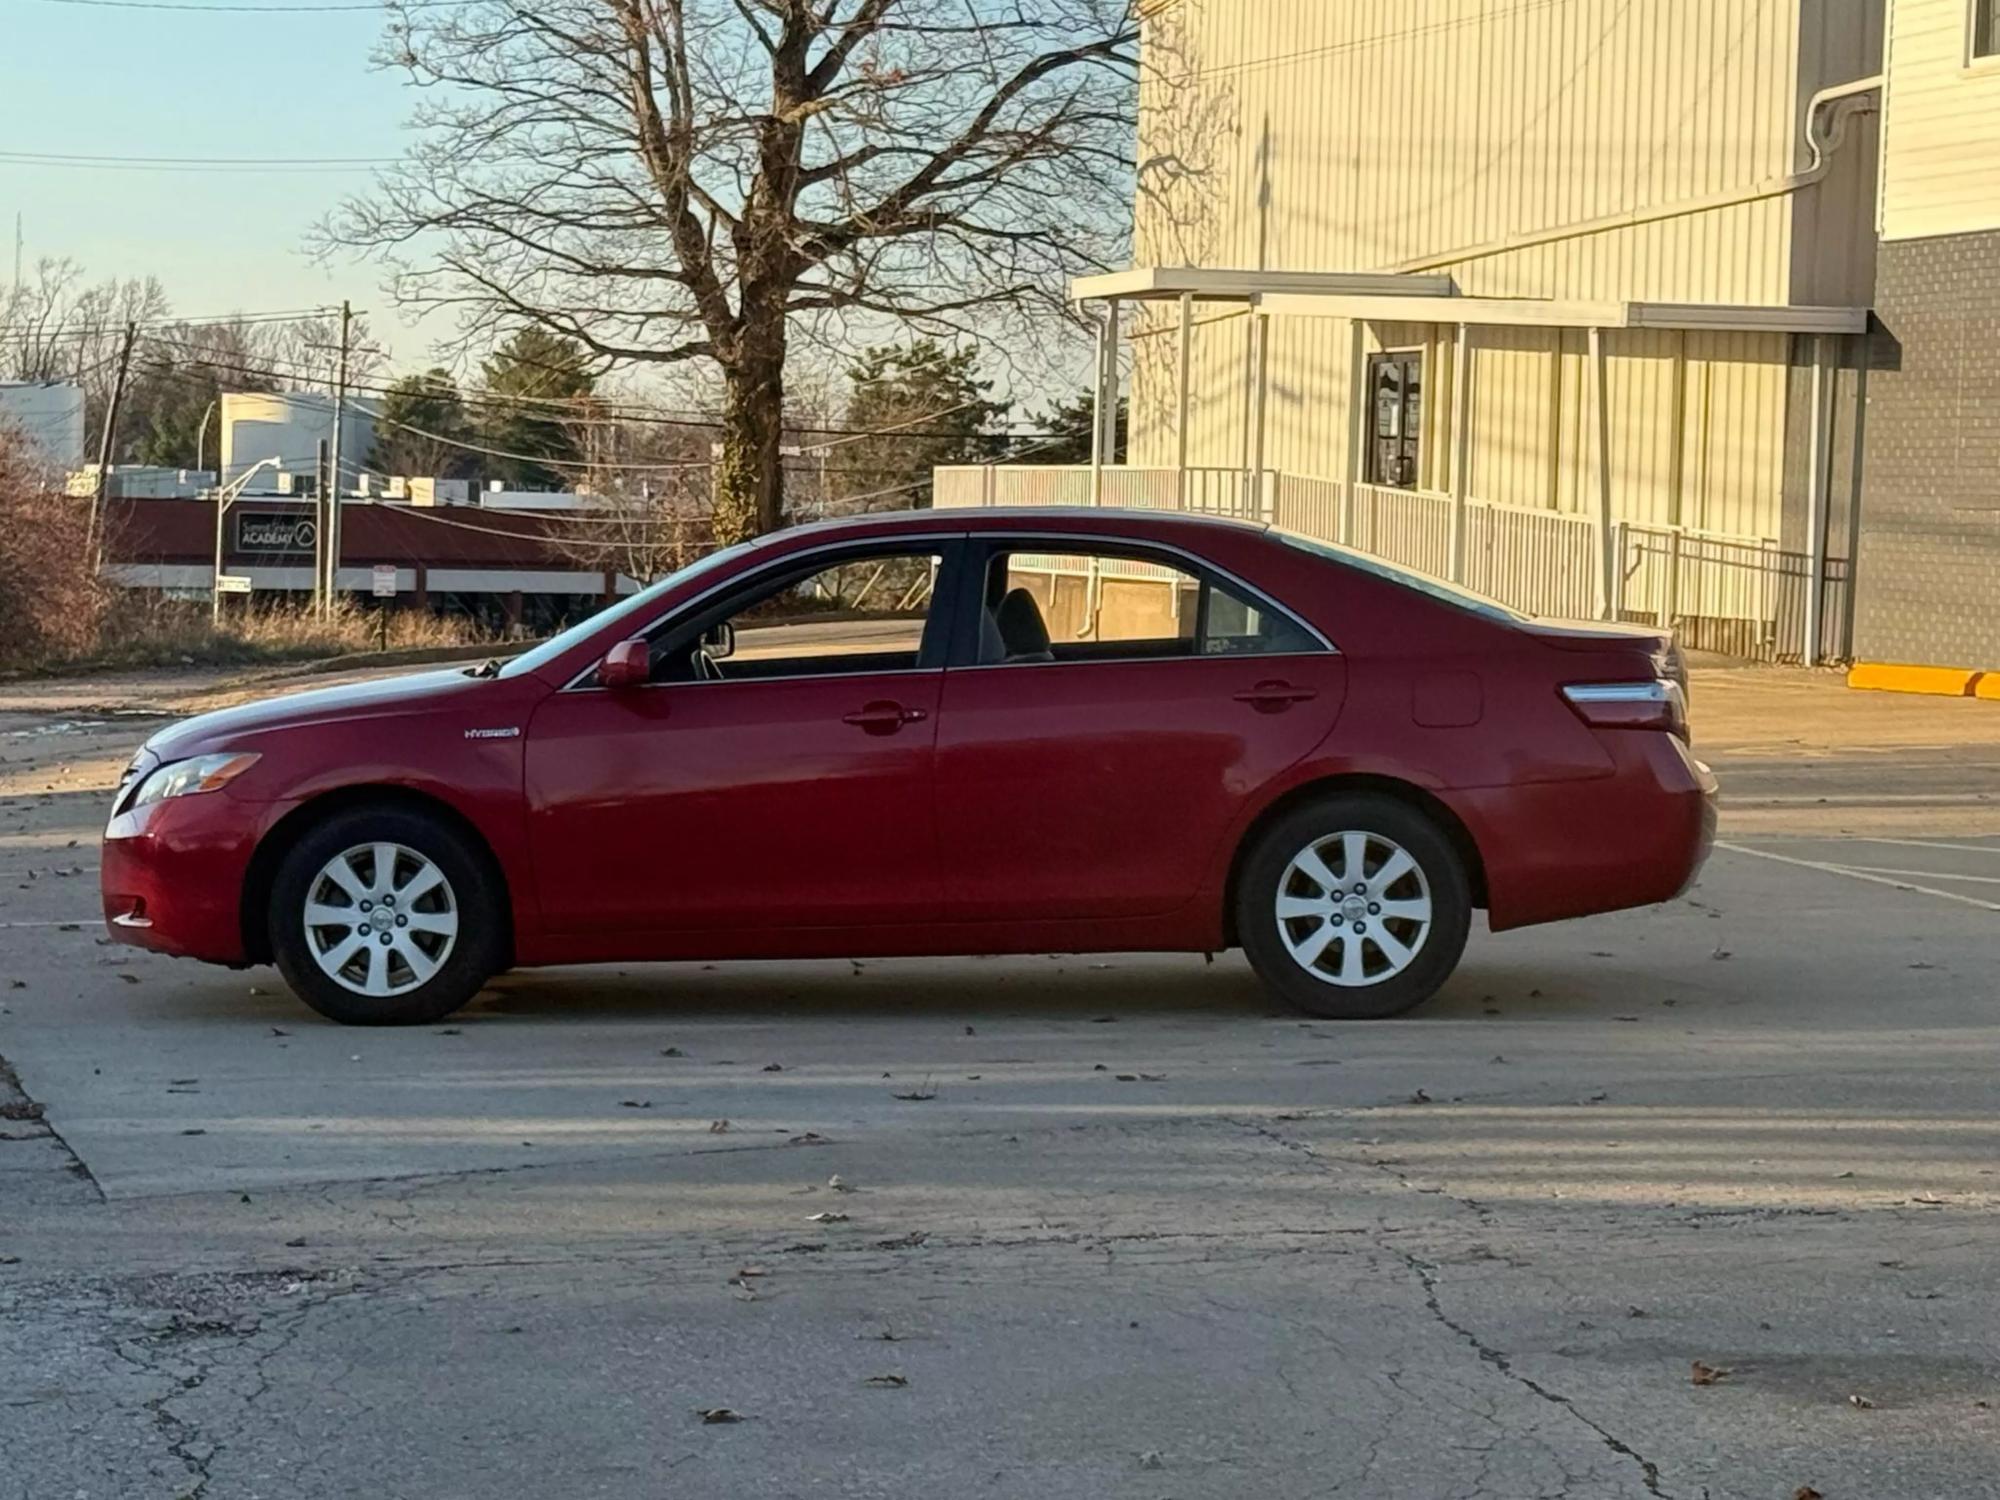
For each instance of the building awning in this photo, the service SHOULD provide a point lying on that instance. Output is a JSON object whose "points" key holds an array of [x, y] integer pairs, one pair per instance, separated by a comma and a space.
{"points": [[1388, 297], [1531, 312], [1170, 283]]}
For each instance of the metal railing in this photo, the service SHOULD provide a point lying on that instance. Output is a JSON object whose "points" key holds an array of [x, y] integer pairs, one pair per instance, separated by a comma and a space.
{"points": [[1743, 596], [1740, 596]]}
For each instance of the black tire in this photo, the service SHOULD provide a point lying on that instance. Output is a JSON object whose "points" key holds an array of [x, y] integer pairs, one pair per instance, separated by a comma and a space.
{"points": [[478, 949], [1439, 873]]}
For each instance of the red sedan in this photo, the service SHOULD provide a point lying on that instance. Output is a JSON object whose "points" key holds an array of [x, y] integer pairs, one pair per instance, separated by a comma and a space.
{"points": [[938, 733]]}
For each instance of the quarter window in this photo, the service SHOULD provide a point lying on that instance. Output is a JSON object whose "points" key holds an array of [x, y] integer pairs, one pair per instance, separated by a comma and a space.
{"points": [[1078, 605], [1985, 28]]}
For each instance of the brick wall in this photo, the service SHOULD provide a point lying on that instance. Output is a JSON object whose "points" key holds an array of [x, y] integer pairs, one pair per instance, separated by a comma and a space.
{"points": [[1929, 587]]}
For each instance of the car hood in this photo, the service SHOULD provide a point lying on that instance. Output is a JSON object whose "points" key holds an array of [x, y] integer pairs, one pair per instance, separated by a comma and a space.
{"points": [[446, 691]]}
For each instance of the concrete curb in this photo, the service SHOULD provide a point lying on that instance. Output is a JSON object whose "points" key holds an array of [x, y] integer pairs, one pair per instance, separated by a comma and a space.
{"points": [[1942, 682]]}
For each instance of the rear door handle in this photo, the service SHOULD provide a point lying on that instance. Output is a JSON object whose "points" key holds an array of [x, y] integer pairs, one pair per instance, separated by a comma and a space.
{"points": [[884, 718], [1274, 697]]}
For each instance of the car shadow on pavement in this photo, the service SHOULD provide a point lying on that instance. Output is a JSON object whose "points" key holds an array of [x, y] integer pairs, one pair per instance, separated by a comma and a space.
{"points": [[1080, 987]]}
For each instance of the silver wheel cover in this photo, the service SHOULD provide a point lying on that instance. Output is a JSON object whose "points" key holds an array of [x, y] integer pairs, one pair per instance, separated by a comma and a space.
{"points": [[1354, 909], [380, 919]]}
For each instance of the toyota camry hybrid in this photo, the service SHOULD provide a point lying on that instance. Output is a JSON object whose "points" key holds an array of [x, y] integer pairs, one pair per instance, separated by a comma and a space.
{"points": [[939, 732]]}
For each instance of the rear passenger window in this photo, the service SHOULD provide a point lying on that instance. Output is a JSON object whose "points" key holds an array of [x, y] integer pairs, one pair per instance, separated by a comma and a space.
{"points": [[1102, 606]]}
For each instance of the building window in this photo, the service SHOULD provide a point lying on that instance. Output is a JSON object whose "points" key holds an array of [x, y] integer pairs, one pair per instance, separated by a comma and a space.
{"points": [[1397, 383], [1985, 28]]}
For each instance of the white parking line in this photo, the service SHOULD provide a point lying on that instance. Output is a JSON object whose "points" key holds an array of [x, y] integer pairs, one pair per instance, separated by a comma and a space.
{"points": [[77, 922], [1825, 868], [1927, 874], [1930, 844]]}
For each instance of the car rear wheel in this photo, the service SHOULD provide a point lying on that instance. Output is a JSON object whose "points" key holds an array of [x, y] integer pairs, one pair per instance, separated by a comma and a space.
{"points": [[1354, 907], [386, 917]]}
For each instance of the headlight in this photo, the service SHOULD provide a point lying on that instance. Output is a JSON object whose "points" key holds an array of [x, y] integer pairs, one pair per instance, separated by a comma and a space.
{"points": [[204, 773]]}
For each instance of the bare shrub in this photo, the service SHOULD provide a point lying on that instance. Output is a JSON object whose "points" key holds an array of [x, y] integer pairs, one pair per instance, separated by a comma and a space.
{"points": [[50, 602]]}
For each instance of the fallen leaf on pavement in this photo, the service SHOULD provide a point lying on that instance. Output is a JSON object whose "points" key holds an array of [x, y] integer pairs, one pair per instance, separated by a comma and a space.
{"points": [[714, 1414], [908, 1241], [826, 1217], [837, 1184], [774, 1067], [1862, 1402], [1701, 1374], [718, 1127], [918, 1097], [809, 1138], [129, 978], [887, 1382], [635, 1103], [1807, 1492], [672, 1052], [1420, 1097]]}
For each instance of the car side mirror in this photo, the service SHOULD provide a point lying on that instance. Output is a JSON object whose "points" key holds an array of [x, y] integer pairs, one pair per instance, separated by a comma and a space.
{"points": [[718, 642], [627, 664]]}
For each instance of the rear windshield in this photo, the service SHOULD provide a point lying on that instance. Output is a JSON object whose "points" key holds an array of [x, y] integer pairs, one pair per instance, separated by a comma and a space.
{"points": [[1436, 588]]}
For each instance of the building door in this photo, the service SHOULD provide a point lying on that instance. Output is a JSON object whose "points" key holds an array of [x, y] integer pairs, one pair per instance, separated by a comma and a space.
{"points": [[1397, 383]]}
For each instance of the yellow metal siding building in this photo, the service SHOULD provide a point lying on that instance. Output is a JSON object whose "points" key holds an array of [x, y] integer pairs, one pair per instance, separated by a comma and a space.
{"points": [[1435, 136]]}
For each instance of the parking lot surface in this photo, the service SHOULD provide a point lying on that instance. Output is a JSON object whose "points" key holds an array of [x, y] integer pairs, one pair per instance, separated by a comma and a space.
{"points": [[1049, 1226]]}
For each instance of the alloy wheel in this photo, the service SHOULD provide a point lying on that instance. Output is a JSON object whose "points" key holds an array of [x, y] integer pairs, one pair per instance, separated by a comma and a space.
{"points": [[1354, 909], [380, 919]]}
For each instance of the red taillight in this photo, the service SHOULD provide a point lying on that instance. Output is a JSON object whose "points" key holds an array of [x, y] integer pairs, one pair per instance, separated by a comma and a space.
{"points": [[1659, 704]]}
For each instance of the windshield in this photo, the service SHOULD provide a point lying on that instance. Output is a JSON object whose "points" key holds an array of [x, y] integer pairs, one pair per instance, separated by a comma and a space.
{"points": [[1423, 583], [625, 609]]}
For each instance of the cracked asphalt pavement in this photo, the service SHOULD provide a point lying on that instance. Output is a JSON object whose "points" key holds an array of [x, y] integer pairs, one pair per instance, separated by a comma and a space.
{"points": [[1043, 1227]]}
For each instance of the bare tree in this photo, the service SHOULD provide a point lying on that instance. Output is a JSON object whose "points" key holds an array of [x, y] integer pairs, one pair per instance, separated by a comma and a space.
{"points": [[57, 326], [706, 180]]}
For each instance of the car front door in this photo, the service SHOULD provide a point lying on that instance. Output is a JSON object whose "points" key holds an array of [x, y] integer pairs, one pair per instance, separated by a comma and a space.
{"points": [[773, 775], [1104, 723]]}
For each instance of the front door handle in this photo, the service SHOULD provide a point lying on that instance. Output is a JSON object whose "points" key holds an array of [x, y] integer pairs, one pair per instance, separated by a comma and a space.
{"points": [[1275, 697], [883, 717]]}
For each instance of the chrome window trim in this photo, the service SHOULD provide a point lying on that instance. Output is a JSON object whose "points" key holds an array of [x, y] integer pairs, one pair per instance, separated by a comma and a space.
{"points": [[1076, 540], [1148, 661]]}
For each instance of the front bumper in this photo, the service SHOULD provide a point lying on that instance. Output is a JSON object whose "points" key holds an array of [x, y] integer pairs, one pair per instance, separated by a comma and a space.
{"points": [[173, 875]]}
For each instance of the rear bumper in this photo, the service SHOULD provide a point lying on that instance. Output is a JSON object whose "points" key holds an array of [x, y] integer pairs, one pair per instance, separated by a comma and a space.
{"points": [[1571, 849], [173, 875]]}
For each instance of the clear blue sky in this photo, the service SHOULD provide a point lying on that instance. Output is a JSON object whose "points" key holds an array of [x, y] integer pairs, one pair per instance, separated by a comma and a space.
{"points": [[97, 81]]}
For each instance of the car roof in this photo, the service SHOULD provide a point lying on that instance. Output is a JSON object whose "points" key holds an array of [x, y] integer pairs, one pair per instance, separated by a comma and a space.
{"points": [[1084, 520]]}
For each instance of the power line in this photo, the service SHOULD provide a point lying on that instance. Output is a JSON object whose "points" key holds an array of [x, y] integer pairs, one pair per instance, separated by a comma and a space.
{"points": [[262, 10], [192, 163]]}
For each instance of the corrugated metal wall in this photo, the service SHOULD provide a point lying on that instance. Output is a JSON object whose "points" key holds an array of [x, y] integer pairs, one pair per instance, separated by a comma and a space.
{"points": [[1310, 135]]}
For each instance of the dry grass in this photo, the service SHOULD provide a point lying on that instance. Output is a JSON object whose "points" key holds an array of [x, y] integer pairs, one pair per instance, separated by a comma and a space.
{"points": [[141, 630]]}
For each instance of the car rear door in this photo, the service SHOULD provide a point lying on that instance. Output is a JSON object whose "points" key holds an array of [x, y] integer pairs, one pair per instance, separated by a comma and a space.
{"points": [[1097, 779], [786, 786]]}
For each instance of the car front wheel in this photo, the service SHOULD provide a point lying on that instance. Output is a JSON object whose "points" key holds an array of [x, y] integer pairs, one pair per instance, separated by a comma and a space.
{"points": [[1354, 907], [386, 917]]}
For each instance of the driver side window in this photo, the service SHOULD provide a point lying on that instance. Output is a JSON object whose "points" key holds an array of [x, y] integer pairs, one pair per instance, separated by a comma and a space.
{"points": [[862, 613]]}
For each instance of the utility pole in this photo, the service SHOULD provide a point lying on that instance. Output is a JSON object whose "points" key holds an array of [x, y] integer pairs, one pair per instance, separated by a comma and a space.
{"points": [[333, 468], [99, 517], [322, 533]]}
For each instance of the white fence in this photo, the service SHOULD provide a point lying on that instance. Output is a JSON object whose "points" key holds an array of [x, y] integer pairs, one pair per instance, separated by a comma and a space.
{"points": [[1211, 492], [1740, 595]]}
